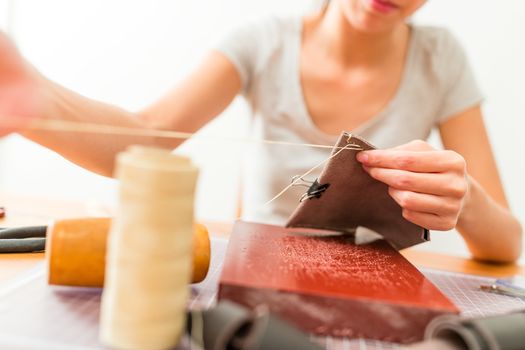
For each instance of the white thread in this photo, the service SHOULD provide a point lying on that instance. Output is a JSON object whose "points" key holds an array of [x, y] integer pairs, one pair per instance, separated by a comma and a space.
{"points": [[70, 126], [148, 262], [350, 146]]}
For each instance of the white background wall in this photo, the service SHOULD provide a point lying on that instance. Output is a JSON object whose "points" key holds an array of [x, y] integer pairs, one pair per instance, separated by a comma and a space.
{"points": [[492, 34], [130, 52]]}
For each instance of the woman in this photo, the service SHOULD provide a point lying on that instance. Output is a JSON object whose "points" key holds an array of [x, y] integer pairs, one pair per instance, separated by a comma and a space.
{"points": [[358, 66]]}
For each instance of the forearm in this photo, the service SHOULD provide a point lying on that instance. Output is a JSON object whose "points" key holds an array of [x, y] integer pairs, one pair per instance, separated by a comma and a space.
{"points": [[490, 230], [203, 95], [93, 151]]}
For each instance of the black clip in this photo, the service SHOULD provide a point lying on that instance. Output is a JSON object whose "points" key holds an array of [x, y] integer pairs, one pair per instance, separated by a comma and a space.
{"points": [[315, 189]]}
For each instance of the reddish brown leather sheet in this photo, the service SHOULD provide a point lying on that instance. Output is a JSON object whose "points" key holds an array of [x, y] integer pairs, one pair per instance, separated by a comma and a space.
{"points": [[353, 198], [329, 286]]}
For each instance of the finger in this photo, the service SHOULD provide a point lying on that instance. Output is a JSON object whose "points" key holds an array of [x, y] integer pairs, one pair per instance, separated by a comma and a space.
{"points": [[437, 184], [424, 162], [430, 221], [427, 203], [415, 145], [18, 106], [10, 59]]}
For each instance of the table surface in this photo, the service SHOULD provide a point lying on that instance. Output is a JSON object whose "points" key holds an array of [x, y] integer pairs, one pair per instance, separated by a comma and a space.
{"points": [[28, 210]]}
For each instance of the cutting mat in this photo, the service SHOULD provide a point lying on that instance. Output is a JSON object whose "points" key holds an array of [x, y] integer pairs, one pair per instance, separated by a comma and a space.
{"points": [[36, 316]]}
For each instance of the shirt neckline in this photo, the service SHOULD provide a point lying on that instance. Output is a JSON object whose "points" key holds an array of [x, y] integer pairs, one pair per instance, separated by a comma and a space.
{"points": [[305, 114]]}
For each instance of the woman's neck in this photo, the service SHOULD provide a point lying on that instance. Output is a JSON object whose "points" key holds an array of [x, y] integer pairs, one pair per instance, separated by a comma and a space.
{"points": [[334, 34]]}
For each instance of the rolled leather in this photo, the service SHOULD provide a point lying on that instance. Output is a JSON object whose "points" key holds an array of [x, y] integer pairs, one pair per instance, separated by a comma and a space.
{"points": [[230, 326], [501, 332]]}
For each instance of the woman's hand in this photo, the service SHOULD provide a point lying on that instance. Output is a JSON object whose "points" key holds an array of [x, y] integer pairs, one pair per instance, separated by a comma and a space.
{"points": [[430, 185], [19, 98]]}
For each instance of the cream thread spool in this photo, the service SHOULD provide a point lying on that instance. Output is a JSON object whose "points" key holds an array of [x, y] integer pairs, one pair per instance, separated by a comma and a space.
{"points": [[149, 258]]}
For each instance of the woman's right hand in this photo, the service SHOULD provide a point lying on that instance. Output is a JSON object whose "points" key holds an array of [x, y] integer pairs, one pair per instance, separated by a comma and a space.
{"points": [[19, 96]]}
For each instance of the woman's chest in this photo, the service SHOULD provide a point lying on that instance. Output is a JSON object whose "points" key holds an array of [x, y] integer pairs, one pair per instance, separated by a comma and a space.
{"points": [[347, 100]]}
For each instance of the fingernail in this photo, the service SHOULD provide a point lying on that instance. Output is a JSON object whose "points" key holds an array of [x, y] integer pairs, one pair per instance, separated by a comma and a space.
{"points": [[362, 157]]}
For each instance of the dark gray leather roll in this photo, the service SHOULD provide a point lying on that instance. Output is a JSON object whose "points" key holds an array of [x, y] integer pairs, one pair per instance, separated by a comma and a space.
{"points": [[23, 239], [23, 232], [506, 332], [23, 245], [230, 326], [501, 332]]}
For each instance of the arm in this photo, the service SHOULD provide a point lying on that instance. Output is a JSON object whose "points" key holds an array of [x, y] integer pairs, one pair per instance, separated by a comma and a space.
{"points": [[436, 192], [197, 100], [489, 228]]}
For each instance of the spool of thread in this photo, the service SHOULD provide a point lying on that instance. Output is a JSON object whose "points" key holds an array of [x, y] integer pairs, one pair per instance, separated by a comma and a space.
{"points": [[76, 252], [148, 264]]}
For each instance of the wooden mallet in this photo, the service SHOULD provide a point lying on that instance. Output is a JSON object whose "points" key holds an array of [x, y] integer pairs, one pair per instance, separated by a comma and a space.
{"points": [[76, 252]]}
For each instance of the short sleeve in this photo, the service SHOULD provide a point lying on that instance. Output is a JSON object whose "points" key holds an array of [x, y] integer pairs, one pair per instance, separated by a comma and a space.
{"points": [[248, 47], [460, 88]]}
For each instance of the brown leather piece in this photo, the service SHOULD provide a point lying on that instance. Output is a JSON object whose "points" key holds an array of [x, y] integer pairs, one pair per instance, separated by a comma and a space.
{"points": [[329, 286], [353, 198]]}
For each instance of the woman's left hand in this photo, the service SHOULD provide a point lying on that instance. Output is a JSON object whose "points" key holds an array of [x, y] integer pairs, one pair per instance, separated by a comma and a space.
{"points": [[430, 185], [19, 93]]}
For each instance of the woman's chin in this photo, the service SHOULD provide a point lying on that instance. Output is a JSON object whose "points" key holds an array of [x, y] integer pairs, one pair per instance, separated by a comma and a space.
{"points": [[372, 25], [364, 18]]}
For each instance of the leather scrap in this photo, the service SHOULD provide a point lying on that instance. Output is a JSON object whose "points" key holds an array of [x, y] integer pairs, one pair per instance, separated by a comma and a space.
{"points": [[352, 198]]}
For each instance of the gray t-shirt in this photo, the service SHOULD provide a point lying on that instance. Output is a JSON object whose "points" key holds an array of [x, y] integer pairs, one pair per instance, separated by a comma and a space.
{"points": [[437, 83]]}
